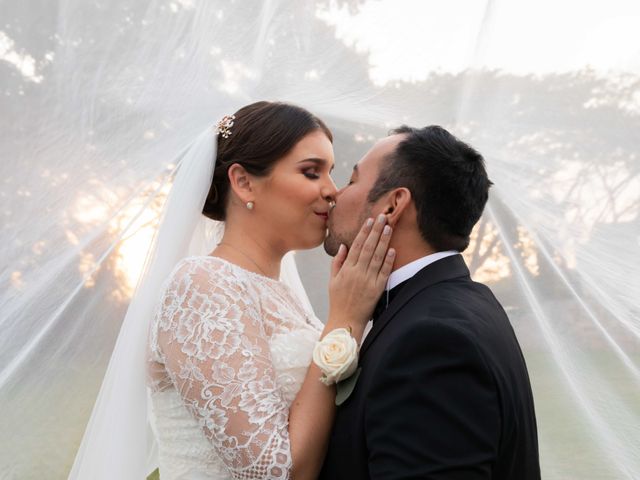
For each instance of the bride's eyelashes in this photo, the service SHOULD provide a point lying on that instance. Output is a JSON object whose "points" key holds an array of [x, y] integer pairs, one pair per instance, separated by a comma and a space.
{"points": [[311, 173]]}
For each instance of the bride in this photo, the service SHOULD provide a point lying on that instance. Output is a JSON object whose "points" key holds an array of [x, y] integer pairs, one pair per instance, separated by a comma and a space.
{"points": [[234, 390]]}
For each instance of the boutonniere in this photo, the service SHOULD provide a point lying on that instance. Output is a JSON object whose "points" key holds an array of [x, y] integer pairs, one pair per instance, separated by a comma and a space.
{"points": [[346, 386]]}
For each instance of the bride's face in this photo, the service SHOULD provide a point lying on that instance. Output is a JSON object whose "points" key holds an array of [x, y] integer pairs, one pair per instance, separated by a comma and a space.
{"points": [[293, 200]]}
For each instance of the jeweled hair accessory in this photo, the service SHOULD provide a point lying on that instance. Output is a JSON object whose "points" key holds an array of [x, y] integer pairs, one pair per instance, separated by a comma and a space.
{"points": [[223, 127]]}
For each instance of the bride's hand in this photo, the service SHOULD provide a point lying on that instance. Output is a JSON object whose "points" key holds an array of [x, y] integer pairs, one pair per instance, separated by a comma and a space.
{"points": [[359, 276]]}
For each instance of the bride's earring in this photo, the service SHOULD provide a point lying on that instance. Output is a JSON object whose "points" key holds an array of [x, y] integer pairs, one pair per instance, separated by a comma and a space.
{"points": [[249, 205]]}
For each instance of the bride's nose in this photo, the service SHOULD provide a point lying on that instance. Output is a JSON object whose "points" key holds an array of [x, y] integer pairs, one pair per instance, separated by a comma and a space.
{"points": [[329, 191]]}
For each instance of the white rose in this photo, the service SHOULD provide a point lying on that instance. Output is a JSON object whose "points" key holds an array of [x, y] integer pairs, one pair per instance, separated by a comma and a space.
{"points": [[336, 355]]}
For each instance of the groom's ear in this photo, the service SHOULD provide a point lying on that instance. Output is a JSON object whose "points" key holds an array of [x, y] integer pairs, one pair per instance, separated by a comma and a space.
{"points": [[240, 182], [396, 203]]}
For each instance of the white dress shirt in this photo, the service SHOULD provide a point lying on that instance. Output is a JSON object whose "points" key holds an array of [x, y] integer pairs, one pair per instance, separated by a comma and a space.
{"points": [[410, 269]]}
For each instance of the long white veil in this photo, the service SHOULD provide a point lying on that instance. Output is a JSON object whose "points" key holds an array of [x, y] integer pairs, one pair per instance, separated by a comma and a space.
{"points": [[119, 440], [102, 104]]}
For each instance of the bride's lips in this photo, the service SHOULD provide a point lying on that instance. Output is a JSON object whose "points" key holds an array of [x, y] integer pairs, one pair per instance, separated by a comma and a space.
{"points": [[324, 215]]}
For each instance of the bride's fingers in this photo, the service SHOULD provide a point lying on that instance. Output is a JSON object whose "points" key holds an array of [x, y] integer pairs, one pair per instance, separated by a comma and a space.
{"points": [[369, 246], [380, 252], [386, 268], [338, 260], [358, 242]]}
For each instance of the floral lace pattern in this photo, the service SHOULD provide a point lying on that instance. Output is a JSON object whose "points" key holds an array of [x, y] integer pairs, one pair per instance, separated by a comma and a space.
{"points": [[235, 346]]}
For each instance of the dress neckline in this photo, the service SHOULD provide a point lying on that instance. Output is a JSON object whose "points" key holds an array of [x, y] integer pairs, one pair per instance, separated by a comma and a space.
{"points": [[238, 267]]}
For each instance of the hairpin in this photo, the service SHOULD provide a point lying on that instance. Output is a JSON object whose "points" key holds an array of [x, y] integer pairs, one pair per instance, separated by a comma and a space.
{"points": [[223, 127]]}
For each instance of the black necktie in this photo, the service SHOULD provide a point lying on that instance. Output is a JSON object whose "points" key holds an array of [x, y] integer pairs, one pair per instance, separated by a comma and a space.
{"points": [[382, 304]]}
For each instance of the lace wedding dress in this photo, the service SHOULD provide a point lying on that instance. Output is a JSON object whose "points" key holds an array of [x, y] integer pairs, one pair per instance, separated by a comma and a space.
{"points": [[228, 351]]}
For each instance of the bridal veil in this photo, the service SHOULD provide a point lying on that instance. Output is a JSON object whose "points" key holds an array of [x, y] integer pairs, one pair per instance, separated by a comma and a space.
{"points": [[107, 105]]}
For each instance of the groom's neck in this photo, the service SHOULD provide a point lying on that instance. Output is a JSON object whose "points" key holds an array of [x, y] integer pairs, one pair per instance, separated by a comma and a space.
{"points": [[408, 249]]}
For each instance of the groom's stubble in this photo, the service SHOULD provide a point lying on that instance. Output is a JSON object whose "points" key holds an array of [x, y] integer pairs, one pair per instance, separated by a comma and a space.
{"points": [[342, 230], [353, 205]]}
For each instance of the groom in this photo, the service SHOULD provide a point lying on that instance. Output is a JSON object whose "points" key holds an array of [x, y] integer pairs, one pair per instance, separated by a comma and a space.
{"points": [[443, 391]]}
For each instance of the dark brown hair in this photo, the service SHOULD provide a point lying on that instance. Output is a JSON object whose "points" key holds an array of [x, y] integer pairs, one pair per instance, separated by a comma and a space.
{"points": [[262, 133], [447, 180]]}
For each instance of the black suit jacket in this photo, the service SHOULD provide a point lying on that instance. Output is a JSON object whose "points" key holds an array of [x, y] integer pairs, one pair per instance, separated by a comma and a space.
{"points": [[443, 392]]}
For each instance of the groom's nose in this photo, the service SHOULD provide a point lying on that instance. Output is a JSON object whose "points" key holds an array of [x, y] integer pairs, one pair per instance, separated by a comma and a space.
{"points": [[341, 191]]}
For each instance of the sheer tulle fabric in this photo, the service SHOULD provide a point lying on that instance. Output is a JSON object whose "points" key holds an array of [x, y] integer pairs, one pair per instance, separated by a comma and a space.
{"points": [[102, 103]]}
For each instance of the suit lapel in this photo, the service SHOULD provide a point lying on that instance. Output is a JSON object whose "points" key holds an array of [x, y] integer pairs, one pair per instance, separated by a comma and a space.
{"points": [[441, 270]]}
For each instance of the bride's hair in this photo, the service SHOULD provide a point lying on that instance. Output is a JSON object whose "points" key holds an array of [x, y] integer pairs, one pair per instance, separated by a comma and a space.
{"points": [[262, 133]]}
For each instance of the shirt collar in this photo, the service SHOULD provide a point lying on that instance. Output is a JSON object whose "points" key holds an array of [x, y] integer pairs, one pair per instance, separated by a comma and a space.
{"points": [[407, 271]]}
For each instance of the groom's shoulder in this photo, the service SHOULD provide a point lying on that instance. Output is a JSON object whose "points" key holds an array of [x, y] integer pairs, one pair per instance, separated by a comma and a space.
{"points": [[460, 297], [465, 307]]}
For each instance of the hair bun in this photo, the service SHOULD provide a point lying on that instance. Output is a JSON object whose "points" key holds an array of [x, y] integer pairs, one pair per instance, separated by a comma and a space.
{"points": [[213, 207]]}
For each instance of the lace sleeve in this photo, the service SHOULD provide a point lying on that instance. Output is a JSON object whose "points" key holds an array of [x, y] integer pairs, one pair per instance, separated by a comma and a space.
{"points": [[214, 348]]}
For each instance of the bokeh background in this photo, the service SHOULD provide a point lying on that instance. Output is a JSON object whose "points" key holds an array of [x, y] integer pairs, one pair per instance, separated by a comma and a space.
{"points": [[99, 100]]}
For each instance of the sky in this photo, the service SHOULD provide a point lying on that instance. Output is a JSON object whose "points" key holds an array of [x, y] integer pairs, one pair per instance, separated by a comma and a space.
{"points": [[515, 36], [406, 40]]}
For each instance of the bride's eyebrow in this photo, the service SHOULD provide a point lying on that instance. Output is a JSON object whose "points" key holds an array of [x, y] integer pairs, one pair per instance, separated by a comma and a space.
{"points": [[318, 161]]}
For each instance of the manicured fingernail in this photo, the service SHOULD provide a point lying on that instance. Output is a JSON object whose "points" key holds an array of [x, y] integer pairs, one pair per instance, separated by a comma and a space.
{"points": [[369, 222], [382, 218], [391, 252], [386, 230]]}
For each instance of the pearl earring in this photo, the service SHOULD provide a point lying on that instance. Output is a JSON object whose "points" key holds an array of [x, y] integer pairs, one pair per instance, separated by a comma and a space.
{"points": [[250, 205]]}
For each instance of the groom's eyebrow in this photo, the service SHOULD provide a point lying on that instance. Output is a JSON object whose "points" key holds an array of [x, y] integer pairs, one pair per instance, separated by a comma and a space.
{"points": [[318, 161]]}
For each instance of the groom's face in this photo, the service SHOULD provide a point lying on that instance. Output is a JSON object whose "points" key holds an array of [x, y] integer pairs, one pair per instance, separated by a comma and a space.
{"points": [[352, 207]]}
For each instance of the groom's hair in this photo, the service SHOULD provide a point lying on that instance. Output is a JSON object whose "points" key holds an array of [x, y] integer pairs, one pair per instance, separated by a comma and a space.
{"points": [[447, 180]]}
